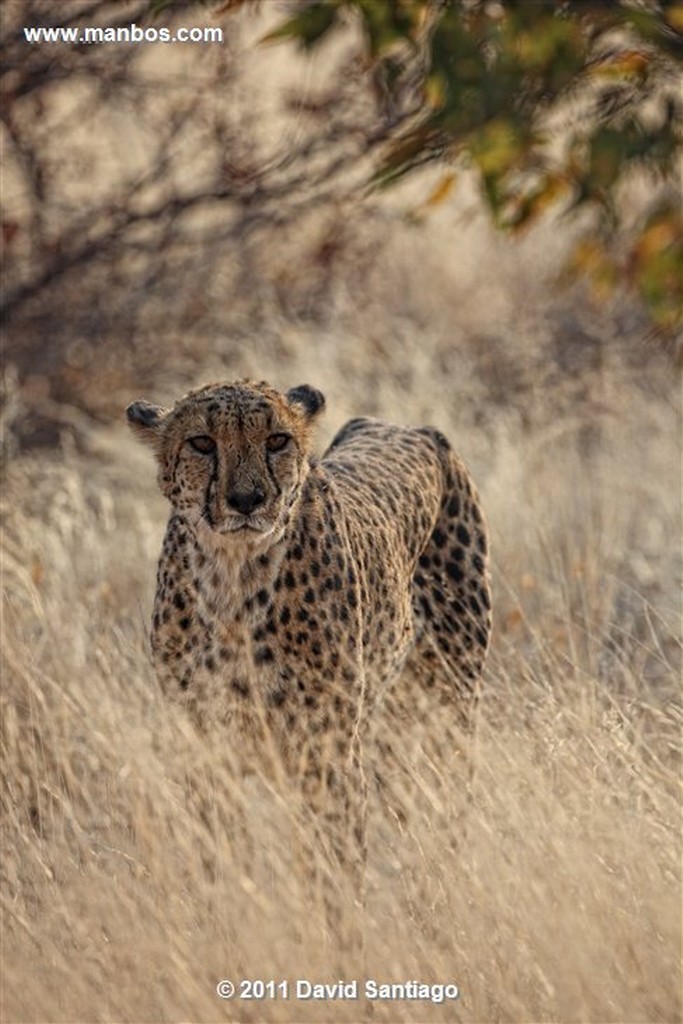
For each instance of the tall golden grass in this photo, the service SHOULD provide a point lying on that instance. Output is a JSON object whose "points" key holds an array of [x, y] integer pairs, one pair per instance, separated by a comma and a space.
{"points": [[140, 866]]}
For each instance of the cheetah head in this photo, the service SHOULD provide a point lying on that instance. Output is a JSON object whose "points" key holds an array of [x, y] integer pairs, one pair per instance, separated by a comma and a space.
{"points": [[232, 457]]}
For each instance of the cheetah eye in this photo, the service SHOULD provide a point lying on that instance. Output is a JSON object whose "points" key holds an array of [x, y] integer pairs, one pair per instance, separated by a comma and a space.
{"points": [[202, 443], [276, 442]]}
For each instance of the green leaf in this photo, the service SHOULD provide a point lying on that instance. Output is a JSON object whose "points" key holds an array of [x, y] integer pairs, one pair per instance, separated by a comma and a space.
{"points": [[308, 27], [656, 266], [497, 146], [387, 25]]}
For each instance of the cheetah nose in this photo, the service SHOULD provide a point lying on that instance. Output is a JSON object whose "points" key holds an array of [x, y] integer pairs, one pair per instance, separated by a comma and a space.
{"points": [[245, 501]]}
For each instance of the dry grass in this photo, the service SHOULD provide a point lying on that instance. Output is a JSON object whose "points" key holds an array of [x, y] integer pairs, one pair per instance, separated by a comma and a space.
{"points": [[140, 867]]}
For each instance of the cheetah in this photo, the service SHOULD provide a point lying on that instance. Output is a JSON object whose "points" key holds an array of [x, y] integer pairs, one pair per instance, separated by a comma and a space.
{"points": [[292, 589]]}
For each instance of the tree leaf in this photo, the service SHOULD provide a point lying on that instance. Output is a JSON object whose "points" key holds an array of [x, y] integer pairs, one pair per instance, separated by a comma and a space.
{"points": [[308, 27]]}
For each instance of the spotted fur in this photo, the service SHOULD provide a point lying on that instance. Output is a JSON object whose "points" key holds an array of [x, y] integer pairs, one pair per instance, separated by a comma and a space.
{"points": [[291, 590]]}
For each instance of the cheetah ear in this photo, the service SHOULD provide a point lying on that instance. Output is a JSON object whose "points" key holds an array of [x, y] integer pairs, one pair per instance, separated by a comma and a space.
{"points": [[312, 400], [145, 420]]}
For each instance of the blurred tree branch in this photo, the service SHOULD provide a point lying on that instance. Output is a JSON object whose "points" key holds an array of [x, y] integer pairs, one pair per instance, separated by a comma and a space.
{"points": [[566, 105], [140, 196], [49, 236]]}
